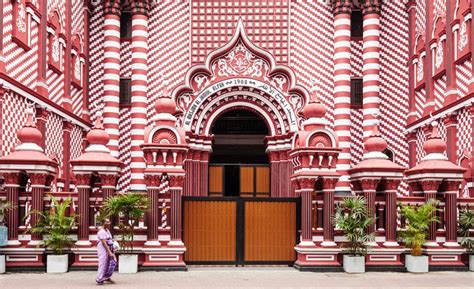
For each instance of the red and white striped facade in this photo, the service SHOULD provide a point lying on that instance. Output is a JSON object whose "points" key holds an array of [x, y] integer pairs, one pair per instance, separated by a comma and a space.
{"points": [[67, 58]]}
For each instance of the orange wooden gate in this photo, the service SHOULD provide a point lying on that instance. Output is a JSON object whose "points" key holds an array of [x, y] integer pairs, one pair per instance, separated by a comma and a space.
{"points": [[225, 230]]}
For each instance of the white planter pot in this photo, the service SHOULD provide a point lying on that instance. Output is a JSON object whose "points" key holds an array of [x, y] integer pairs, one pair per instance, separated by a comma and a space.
{"points": [[416, 264], [471, 262], [128, 263], [57, 263], [2, 264], [354, 264]]}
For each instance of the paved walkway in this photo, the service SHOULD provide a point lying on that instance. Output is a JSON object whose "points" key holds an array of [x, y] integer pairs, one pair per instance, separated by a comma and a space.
{"points": [[216, 278]]}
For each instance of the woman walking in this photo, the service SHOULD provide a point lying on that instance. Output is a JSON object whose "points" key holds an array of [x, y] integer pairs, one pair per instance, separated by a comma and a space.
{"points": [[105, 252]]}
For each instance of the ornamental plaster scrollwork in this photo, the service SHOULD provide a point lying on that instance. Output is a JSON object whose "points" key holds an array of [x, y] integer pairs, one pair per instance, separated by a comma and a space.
{"points": [[463, 37], [420, 70], [21, 19], [239, 63], [439, 55]]}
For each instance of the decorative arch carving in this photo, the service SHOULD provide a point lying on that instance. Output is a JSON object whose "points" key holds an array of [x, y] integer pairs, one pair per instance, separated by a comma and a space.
{"points": [[165, 136], [241, 65], [320, 140]]}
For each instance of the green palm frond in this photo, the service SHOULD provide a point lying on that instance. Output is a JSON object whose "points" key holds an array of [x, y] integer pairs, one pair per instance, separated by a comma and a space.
{"points": [[352, 216], [466, 223], [131, 207], [55, 225], [418, 221]]}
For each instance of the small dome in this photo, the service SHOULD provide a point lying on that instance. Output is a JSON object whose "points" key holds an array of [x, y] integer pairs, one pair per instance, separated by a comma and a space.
{"points": [[29, 133], [434, 144], [98, 135], [165, 104], [375, 142]]}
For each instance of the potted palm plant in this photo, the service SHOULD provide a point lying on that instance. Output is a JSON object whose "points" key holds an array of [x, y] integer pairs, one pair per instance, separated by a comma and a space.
{"points": [[466, 223], [4, 207], [416, 232], [55, 225], [352, 216], [128, 208]]}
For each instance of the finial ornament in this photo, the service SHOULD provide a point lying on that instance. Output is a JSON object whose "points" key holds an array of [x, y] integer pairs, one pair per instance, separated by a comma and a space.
{"points": [[435, 146], [375, 144]]}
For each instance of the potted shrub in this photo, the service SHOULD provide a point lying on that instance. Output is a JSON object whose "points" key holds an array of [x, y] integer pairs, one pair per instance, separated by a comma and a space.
{"points": [[55, 225], [466, 223], [4, 207], [415, 234], [352, 216], [128, 209]]}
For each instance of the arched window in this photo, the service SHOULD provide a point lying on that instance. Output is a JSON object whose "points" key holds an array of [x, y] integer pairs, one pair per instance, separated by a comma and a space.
{"points": [[389, 154]]}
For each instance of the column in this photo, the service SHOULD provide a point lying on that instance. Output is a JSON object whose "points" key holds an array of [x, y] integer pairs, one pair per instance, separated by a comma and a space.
{"points": [[430, 188], [411, 138], [371, 64], [369, 186], [139, 91], [329, 185], [83, 191], [67, 101], [67, 128], [305, 190], [111, 109], [38, 185], [450, 123], [429, 84], [391, 188], [153, 214], [188, 168], [2, 58], [108, 182], [451, 86], [41, 86], [42, 115], [284, 176], [411, 9], [451, 203], [471, 84], [12, 185], [204, 173], [342, 88], [85, 92], [274, 158], [176, 190]]}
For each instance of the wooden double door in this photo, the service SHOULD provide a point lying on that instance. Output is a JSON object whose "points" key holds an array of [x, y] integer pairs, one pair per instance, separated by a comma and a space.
{"points": [[235, 230], [244, 180]]}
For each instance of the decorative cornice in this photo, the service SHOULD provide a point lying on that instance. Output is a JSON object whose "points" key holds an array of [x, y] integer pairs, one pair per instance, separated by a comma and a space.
{"points": [[113, 7], [371, 6], [140, 7], [341, 6]]}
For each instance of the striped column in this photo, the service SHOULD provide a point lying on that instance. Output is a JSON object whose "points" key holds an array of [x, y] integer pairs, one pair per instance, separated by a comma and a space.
{"points": [[369, 186], [83, 194], [112, 74], [12, 188], [430, 188], [305, 190], [329, 185], [153, 214], [342, 88], [176, 190], [391, 212], [451, 213], [371, 67], [139, 93], [38, 184]]}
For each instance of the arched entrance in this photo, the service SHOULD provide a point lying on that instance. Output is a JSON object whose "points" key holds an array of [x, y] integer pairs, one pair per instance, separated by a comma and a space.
{"points": [[240, 113], [239, 164]]}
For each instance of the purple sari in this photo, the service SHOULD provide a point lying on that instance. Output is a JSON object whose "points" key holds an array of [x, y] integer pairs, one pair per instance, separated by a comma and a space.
{"points": [[106, 263]]}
